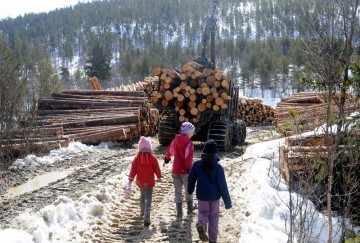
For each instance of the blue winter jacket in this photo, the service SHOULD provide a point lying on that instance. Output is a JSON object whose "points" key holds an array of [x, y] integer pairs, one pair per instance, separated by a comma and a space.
{"points": [[210, 186]]}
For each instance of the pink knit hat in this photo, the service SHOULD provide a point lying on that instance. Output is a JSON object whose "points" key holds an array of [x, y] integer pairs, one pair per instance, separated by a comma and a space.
{"points": [[145, 145]]}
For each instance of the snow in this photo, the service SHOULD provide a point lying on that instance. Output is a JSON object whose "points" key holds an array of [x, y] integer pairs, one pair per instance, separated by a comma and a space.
{"points": [[262, 193], [267, 200], [65, 219], [75, 149], [15, 236]]}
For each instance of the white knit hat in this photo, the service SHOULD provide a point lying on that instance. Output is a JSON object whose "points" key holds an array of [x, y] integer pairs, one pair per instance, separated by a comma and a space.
{"points": [[186, 128]]}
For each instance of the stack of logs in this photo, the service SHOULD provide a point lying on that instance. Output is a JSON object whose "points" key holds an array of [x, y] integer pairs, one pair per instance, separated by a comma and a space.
{"points": [[87, 116], [299, 154], [94, 116], [148, 85], [308, 110], [33, 139], [192, 92], [254, 113]]}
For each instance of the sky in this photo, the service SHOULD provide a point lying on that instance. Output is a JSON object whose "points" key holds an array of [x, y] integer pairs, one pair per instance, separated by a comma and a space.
{"points": [[14, 8]]}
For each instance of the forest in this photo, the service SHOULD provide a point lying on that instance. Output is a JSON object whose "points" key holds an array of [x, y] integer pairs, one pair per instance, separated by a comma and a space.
{"points": [[271, 48], [257, 41]]}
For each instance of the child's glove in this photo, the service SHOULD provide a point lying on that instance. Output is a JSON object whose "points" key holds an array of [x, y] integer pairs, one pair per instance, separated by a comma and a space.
{"points": [[166, 161], [127, 190]]}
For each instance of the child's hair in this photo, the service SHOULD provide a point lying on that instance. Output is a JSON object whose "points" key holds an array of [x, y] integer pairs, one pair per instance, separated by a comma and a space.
{"points": [[206, 162], [210, 149]]}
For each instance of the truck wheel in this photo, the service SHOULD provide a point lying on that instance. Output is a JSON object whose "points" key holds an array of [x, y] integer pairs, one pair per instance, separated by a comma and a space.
{"points": [[221, 133], [167, 130], [239, 133]]}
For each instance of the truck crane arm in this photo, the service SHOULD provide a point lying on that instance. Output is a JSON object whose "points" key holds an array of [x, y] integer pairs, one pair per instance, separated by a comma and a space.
{"points": [[209, 34]]}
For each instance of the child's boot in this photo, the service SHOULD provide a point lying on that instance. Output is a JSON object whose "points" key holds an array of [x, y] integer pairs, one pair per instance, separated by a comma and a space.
{"points": [[190, 206], [147, 216], [179, 211], [202, 232]]}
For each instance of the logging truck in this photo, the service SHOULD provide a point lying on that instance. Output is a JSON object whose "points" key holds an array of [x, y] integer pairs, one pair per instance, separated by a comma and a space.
{"points": [[201, 94]]}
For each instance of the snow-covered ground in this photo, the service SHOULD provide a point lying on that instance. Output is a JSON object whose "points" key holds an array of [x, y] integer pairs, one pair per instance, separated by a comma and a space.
{"points": [[56, 155], [267, 200], [260, 205]]}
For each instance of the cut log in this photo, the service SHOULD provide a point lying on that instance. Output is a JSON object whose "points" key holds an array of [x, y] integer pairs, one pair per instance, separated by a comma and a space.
{"points": [[194, 111], [168, 95], [105, 92], [157, 71], [219, 101]]}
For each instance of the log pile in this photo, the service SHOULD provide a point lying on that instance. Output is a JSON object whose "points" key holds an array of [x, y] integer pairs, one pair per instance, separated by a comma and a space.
{"points": [[299, 154], [191, 91], [254, 113], [307, 110], [94, 116], [88, 116], [303, 154], [34, 140], [148, 85]]}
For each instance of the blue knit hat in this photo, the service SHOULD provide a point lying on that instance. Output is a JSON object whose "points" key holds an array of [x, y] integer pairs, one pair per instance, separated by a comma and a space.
{"points": [[186, 128]]}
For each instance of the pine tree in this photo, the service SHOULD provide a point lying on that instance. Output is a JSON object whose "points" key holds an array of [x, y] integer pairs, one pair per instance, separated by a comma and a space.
{"points": [[65, 74], [47, 80], [12, 90], [98, 63]]}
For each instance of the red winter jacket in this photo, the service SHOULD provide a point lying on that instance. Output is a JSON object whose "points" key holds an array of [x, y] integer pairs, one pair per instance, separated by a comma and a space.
{"points": [[183, 151], [144, 166]]}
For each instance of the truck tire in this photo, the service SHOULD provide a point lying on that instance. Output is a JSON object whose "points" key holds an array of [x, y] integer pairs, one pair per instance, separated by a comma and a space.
{"points": [[239, 133], [167, 130], [221, 133]]}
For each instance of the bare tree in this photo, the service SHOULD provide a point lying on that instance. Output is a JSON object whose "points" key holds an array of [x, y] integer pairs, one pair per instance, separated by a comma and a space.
{"points": [[331, 28]]}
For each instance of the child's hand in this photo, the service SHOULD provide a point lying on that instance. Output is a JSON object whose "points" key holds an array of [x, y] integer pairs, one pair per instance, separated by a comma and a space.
{"points": [[158, 180]]}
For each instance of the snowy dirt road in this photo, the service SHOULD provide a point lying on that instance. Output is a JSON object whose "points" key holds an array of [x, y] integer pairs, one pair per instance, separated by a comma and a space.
{"points": [[90, 171]]}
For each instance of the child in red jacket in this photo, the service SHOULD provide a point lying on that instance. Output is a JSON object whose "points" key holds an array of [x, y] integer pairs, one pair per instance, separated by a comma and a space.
{"points": [[144, 166], [183, 151]]}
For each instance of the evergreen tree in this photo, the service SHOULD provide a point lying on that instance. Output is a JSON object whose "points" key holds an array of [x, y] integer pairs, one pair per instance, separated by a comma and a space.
{"points": [[47, 81], [98, 63], [65, 74], [12, 90]]}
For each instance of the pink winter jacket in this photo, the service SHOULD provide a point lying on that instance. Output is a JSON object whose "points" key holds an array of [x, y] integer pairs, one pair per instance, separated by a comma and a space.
{"points": [[182, 149]]}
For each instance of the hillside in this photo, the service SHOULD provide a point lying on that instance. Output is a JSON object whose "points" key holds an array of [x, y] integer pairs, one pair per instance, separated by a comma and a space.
{"points": [[257, 40], [140, 34]]}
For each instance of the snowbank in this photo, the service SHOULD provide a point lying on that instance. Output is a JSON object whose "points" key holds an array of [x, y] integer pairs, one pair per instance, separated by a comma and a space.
{"points": [[15, 236], [57, 155], [65, 220], [267, 200]]}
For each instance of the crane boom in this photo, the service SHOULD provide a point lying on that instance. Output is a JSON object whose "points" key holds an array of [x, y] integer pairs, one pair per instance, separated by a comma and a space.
{"points": [[209, 34]]}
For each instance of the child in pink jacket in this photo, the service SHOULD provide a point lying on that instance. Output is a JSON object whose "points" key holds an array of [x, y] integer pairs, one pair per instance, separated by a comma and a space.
{"points": [[144, 167], [182, 149]]}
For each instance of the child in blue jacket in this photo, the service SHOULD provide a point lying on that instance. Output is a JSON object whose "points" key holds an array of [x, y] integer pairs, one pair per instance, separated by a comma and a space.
{"points": [[210, 186]]}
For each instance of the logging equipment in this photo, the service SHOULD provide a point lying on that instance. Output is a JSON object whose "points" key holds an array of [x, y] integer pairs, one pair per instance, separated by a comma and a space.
{"points": [[200, 94]]}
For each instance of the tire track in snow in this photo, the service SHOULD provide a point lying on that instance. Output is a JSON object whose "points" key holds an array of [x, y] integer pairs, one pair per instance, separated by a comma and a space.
{"points": [[124, 223]]}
